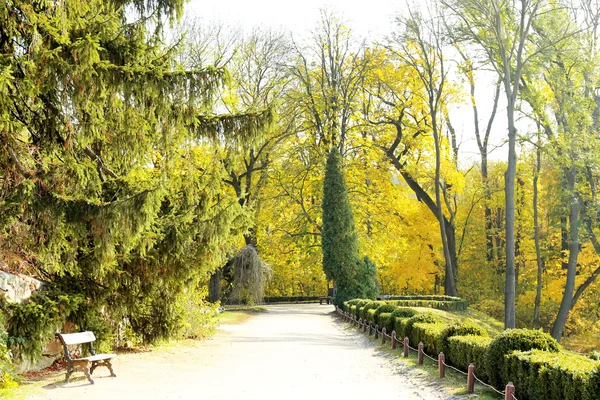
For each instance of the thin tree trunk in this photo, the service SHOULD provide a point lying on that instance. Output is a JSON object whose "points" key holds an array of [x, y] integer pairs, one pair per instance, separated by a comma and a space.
{"points": [[449, 281], [509, 177], [536, 238], [567, 300], [214, 287]]}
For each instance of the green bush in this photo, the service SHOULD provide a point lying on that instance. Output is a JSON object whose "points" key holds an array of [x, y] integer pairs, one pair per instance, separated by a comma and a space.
{"points": [[353, 310], [359, 305], [493, 308], [199, 316], [464, 350], [359, 312], [424, 317], [384, 308], [594, 355], [428, 333], [7, 375], [385, 321], [371, 305], [457, 329], [446, 303], [290, 299], [546, 375], [509, 341], [348, 304], [400, 327], [427, 297], [371, 316], [401, 312]]}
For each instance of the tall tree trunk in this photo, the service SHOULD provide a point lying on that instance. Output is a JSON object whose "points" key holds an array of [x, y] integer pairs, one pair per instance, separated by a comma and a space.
{"points": [[489, 224], [536, 237], [214, 287], [451, 240], [449, 281], [448, 236], [567, 300], [509, 178]]}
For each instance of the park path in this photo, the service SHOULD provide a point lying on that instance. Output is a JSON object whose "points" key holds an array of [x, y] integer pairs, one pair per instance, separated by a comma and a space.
{"points": [[290, 352]]}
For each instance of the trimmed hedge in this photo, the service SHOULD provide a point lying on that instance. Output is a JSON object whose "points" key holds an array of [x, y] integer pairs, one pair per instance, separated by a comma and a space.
{"points": [[544, 375], [359, 305], [459, 329], [290, 299], [371, 316], [424, 317], [385, 321], [531, 359], [370, 305], [400, 327], [384, 308], [440, 305], [428, 333], [464, 350], [509, 341], [403, 313], [427, 297]]}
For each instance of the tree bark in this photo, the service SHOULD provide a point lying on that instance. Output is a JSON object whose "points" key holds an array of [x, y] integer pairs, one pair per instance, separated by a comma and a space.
{"points": [[214, 287], [509, 177], [536, 238], [567, 300]]}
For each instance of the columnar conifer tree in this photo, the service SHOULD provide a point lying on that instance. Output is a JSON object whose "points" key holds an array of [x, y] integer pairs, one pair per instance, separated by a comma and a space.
{"points": [[341, 261]]}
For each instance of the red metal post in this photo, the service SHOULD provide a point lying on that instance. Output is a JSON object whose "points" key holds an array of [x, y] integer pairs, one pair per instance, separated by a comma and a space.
{"points": [[509, 391], [441, 365], [393, 340], [420, 357], [471, 379], [383, 335], [405, 347]]}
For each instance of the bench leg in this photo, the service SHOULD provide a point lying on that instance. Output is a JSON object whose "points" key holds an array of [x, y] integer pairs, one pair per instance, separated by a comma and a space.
{"points": [[70, 370], [106, 363], [86, 371], [110, 368]]}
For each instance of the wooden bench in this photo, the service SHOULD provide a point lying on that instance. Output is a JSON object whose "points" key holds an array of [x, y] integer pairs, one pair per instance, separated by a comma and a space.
{"points": [[81, 364], [328, 299]]}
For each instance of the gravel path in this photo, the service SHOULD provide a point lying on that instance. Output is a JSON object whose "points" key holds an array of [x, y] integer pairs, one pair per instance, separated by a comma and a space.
{"points": [[290, 352]]}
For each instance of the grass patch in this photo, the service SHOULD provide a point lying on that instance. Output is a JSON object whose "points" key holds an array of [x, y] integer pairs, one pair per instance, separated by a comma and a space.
{"points": [[23, 391], [238, 315]]}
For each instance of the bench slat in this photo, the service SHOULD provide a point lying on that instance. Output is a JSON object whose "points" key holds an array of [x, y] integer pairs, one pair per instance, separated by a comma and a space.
{"points": [[78, 338], [99, 357]]}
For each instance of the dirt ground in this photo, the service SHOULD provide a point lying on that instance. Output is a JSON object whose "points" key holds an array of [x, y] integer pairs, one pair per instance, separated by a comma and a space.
{"points": [[291, 352]]}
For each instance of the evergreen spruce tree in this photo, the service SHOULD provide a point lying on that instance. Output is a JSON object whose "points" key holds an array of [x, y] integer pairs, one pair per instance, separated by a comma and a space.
{"points": [[103, 163], [353, 277]]}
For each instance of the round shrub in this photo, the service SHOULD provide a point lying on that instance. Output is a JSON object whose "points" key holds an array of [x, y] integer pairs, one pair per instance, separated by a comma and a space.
{"points": [[384, 308], [509, 341], [424, 317], [360, 304], [371, 305], [457, 329], [401, 312], [594, 355]]}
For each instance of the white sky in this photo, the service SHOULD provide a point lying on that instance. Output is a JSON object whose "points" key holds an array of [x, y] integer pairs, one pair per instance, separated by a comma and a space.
{"points": [[371, 19]]}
